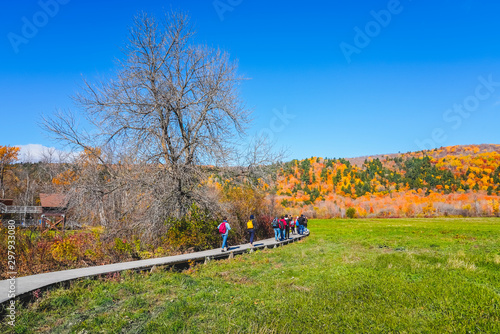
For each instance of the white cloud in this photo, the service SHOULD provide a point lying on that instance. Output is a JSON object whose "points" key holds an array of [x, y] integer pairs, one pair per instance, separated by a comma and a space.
{"points": [[37, 153]]}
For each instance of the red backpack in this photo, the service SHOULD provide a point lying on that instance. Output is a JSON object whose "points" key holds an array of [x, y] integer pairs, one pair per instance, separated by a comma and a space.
{"points": [[222, 228]]}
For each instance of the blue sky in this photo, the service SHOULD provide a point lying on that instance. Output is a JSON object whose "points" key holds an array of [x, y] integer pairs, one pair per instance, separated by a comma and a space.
{"points": [[422, 74]]}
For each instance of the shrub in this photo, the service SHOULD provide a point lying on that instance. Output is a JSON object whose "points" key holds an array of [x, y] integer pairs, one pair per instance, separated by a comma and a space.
{"points": [[122, 247], [264, 227], [64, 251], [241, 202], [351, 212], [197, 230]]}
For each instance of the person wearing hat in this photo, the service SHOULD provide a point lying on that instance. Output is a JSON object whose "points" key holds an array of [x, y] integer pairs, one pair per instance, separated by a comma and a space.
{"points": [[251, 229]]}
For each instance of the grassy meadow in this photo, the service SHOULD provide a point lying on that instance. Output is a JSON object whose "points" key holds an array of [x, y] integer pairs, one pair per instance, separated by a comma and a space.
{"points": [[349, 276]]}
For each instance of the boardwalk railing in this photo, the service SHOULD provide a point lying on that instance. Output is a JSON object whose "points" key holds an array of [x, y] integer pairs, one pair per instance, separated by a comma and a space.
{"points": [[17, 287], [20, 209]]}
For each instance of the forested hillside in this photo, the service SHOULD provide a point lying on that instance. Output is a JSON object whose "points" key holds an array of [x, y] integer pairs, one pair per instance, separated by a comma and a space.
{"points": [[455, 180]]}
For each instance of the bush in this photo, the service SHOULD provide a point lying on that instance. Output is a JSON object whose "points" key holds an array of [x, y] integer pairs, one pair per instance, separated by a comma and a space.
{"points": [[64, 251], [123, 250], [241, 202], [197, 230], [351, 212], [264, 228]]}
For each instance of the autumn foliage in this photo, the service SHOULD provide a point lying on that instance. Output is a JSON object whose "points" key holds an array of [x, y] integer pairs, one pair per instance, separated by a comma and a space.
{"points": [[8, 155], [459, 181], [456, 180]]}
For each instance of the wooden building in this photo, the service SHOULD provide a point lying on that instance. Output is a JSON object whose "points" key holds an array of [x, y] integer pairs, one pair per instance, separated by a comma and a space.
{"points": [[54, 208], [51, 213]]}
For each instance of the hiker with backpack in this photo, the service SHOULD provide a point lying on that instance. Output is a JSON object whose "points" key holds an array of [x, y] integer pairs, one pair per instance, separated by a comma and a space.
{"points": [[282, 223], [251, 229], [276, 228], [300, 221], [287, 227], [303, 224], [224, 231], [292, 224]]}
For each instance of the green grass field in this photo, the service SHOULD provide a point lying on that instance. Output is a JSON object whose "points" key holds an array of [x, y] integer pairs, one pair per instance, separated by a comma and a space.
{"points": [[349, 276]]}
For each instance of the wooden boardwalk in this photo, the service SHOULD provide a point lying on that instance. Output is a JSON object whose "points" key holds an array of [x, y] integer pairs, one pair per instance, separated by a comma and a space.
{"points": [[27, 284]]}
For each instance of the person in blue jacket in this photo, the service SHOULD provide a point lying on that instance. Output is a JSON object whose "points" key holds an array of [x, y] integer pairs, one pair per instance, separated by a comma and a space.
{"points": [[299, 226], [224, 229], [276, 228]]}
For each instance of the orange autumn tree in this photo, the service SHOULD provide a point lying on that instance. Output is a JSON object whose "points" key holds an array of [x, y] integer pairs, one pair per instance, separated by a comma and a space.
{"points": [[8, 154]]}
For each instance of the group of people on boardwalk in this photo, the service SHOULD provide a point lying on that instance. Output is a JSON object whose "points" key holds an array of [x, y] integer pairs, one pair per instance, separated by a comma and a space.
{"points": [[282, 227], [285, 224]]}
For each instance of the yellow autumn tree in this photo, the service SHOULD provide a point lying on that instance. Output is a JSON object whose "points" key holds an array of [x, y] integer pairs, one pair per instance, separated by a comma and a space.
{"points": [[8, 155]]}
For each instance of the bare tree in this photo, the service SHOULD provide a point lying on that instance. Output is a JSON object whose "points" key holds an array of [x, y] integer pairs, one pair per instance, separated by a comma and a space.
{"points": [[171, 107]]}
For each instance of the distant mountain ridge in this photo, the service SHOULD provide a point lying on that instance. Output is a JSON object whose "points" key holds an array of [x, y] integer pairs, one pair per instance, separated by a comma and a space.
{"points": [[436, 153]]}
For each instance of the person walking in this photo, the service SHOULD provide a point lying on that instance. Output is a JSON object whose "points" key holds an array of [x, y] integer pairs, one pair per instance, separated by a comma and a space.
{"points": [[276, 228], [287, 227], [282, 228], [251, 229], [224, 228], [301, 224], [297, 224]]}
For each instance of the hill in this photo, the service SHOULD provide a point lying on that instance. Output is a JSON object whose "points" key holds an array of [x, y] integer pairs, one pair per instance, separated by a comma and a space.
{"points": [[456, 150], [464, 179]]}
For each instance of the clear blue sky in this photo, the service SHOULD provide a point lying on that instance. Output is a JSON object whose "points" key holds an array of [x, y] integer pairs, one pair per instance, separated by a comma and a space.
{"points": [[394, 92]]}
